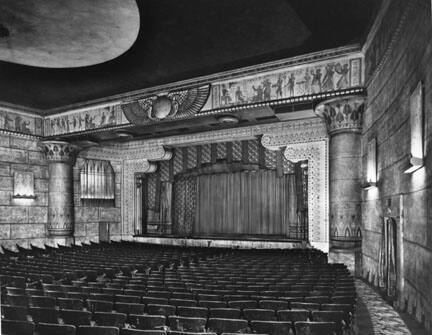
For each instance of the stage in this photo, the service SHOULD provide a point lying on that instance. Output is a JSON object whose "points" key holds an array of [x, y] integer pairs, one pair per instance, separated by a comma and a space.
{"points": [[241, 242]]}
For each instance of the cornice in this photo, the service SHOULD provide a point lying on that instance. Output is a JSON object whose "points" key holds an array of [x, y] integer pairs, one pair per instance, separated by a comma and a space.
{"points": [[226, 75]]}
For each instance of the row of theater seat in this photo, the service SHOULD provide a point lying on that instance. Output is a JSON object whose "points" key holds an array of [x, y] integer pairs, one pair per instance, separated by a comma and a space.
{"points": [[202, 290]]}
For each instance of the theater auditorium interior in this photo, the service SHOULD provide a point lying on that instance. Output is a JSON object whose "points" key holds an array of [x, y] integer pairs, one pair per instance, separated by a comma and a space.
{"points": [[212, 167]]}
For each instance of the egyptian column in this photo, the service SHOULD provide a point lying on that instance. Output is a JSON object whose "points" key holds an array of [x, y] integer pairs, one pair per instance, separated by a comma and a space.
{"points": [[60, 156], [343, 117]]}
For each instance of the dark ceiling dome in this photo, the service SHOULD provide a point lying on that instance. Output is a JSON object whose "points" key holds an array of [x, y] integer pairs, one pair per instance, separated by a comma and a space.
{"points": [[65, 33]]}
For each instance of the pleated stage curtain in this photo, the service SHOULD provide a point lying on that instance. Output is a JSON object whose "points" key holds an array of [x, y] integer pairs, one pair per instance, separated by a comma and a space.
{"points": [[245, 203]]}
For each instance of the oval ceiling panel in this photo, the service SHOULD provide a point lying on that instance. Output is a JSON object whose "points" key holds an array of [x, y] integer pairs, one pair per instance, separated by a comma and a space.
{"points": [[65, 33]]}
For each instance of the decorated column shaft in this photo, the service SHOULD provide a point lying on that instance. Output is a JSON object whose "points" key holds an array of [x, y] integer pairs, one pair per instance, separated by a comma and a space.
{"points": [[60, 156], [343, 116]]}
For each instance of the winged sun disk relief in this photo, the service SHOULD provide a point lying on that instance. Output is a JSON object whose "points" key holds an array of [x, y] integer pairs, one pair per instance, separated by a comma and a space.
{"points": [[173, 105]]}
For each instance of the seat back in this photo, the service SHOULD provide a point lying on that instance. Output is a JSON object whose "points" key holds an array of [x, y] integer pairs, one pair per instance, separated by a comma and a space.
{"points": [[225, 313], [272, 327], [196, 312], [109, 319], [259, 314], [76, 318], [219, 325], [42, 314], [243, 304], [97, 330], [17, 300], [99, 305], [52, 329], [14, 327], [148, 322], [156, 309], [18, 313], [42, 301], [314, 328], [293, 315]]}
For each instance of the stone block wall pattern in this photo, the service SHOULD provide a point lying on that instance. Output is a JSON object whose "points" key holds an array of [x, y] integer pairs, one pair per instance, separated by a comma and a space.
{"points": [[22, 221], [396, 61]]}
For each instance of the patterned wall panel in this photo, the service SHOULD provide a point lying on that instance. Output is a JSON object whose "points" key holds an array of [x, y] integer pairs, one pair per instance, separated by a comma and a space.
{"points": [[221, 150], [192, 155], [253, 151], [206, 153], [151, 189], [236, 151], [178, 160], [270, 159], [164, 170]]}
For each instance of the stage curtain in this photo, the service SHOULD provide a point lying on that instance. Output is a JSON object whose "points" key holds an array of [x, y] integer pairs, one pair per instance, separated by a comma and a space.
{"points": [[245, 203]]}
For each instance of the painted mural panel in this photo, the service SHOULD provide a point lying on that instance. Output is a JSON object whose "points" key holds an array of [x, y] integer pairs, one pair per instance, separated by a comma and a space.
{"points": [[84, 120], [20, 123], [302, 80]]}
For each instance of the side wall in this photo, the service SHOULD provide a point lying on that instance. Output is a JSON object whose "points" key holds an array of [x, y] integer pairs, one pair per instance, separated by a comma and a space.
{"points": [[24, 222], [397, 57]]}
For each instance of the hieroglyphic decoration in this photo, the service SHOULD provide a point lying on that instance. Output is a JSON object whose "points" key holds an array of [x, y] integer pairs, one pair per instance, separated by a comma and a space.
{"points": [[327, 76], [172, 105], [84, 120], [20, 123], [315, 150]]}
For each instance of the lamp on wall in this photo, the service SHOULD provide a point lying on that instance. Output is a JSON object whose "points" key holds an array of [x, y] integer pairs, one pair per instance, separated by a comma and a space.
{"points": [[23, 185], [371, 173], [415, 160]]}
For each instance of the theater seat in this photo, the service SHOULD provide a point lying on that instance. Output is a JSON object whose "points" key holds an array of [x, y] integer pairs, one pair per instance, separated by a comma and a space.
{"points": [[45, 315], [18, 313], [273, 304], [330, 316], [314, 328], [271, 327], [156, 309], [195, 312], [148, 322], [219, 325], [243, 304], [15, 327], [69, 303], [225, 313], [293, 315], [130, 331], [97, 330], [99, 305], [212, 304], [129, 308], [76, 318], [188, 324], [259, 314], [53, 329], [17, 300], [109, 319], [305, 305]]}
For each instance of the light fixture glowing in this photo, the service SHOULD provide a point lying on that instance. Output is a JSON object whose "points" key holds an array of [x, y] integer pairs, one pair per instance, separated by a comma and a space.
{"points": [[23, 185], [413, 164]]}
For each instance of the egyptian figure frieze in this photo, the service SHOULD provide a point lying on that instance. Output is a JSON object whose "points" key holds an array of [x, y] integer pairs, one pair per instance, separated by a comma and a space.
{"points": [[84, 120], [334, 75], [20, 123]]}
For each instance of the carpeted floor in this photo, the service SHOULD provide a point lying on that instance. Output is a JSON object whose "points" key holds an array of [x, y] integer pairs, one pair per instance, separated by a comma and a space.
{"points": [[375, 316]]}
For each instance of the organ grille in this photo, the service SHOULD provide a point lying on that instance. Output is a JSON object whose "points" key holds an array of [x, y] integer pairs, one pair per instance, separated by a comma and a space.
{"points": [[97, 180]]}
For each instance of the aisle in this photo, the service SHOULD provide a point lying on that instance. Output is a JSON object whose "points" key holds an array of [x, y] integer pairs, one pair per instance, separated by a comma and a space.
{"points": [[375, 316]]}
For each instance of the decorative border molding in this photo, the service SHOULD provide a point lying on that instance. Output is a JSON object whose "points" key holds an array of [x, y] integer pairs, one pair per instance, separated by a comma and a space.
{"points": [[302, 139], [314, 149]]}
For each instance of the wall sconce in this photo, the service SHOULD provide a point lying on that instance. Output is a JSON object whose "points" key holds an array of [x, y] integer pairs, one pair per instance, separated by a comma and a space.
{"points": [[415, 161], [412, 165], [371, 172], [23, 185]]}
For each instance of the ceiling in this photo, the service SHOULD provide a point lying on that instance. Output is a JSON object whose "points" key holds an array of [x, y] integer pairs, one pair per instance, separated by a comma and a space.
{"points": [[183, 39]]}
